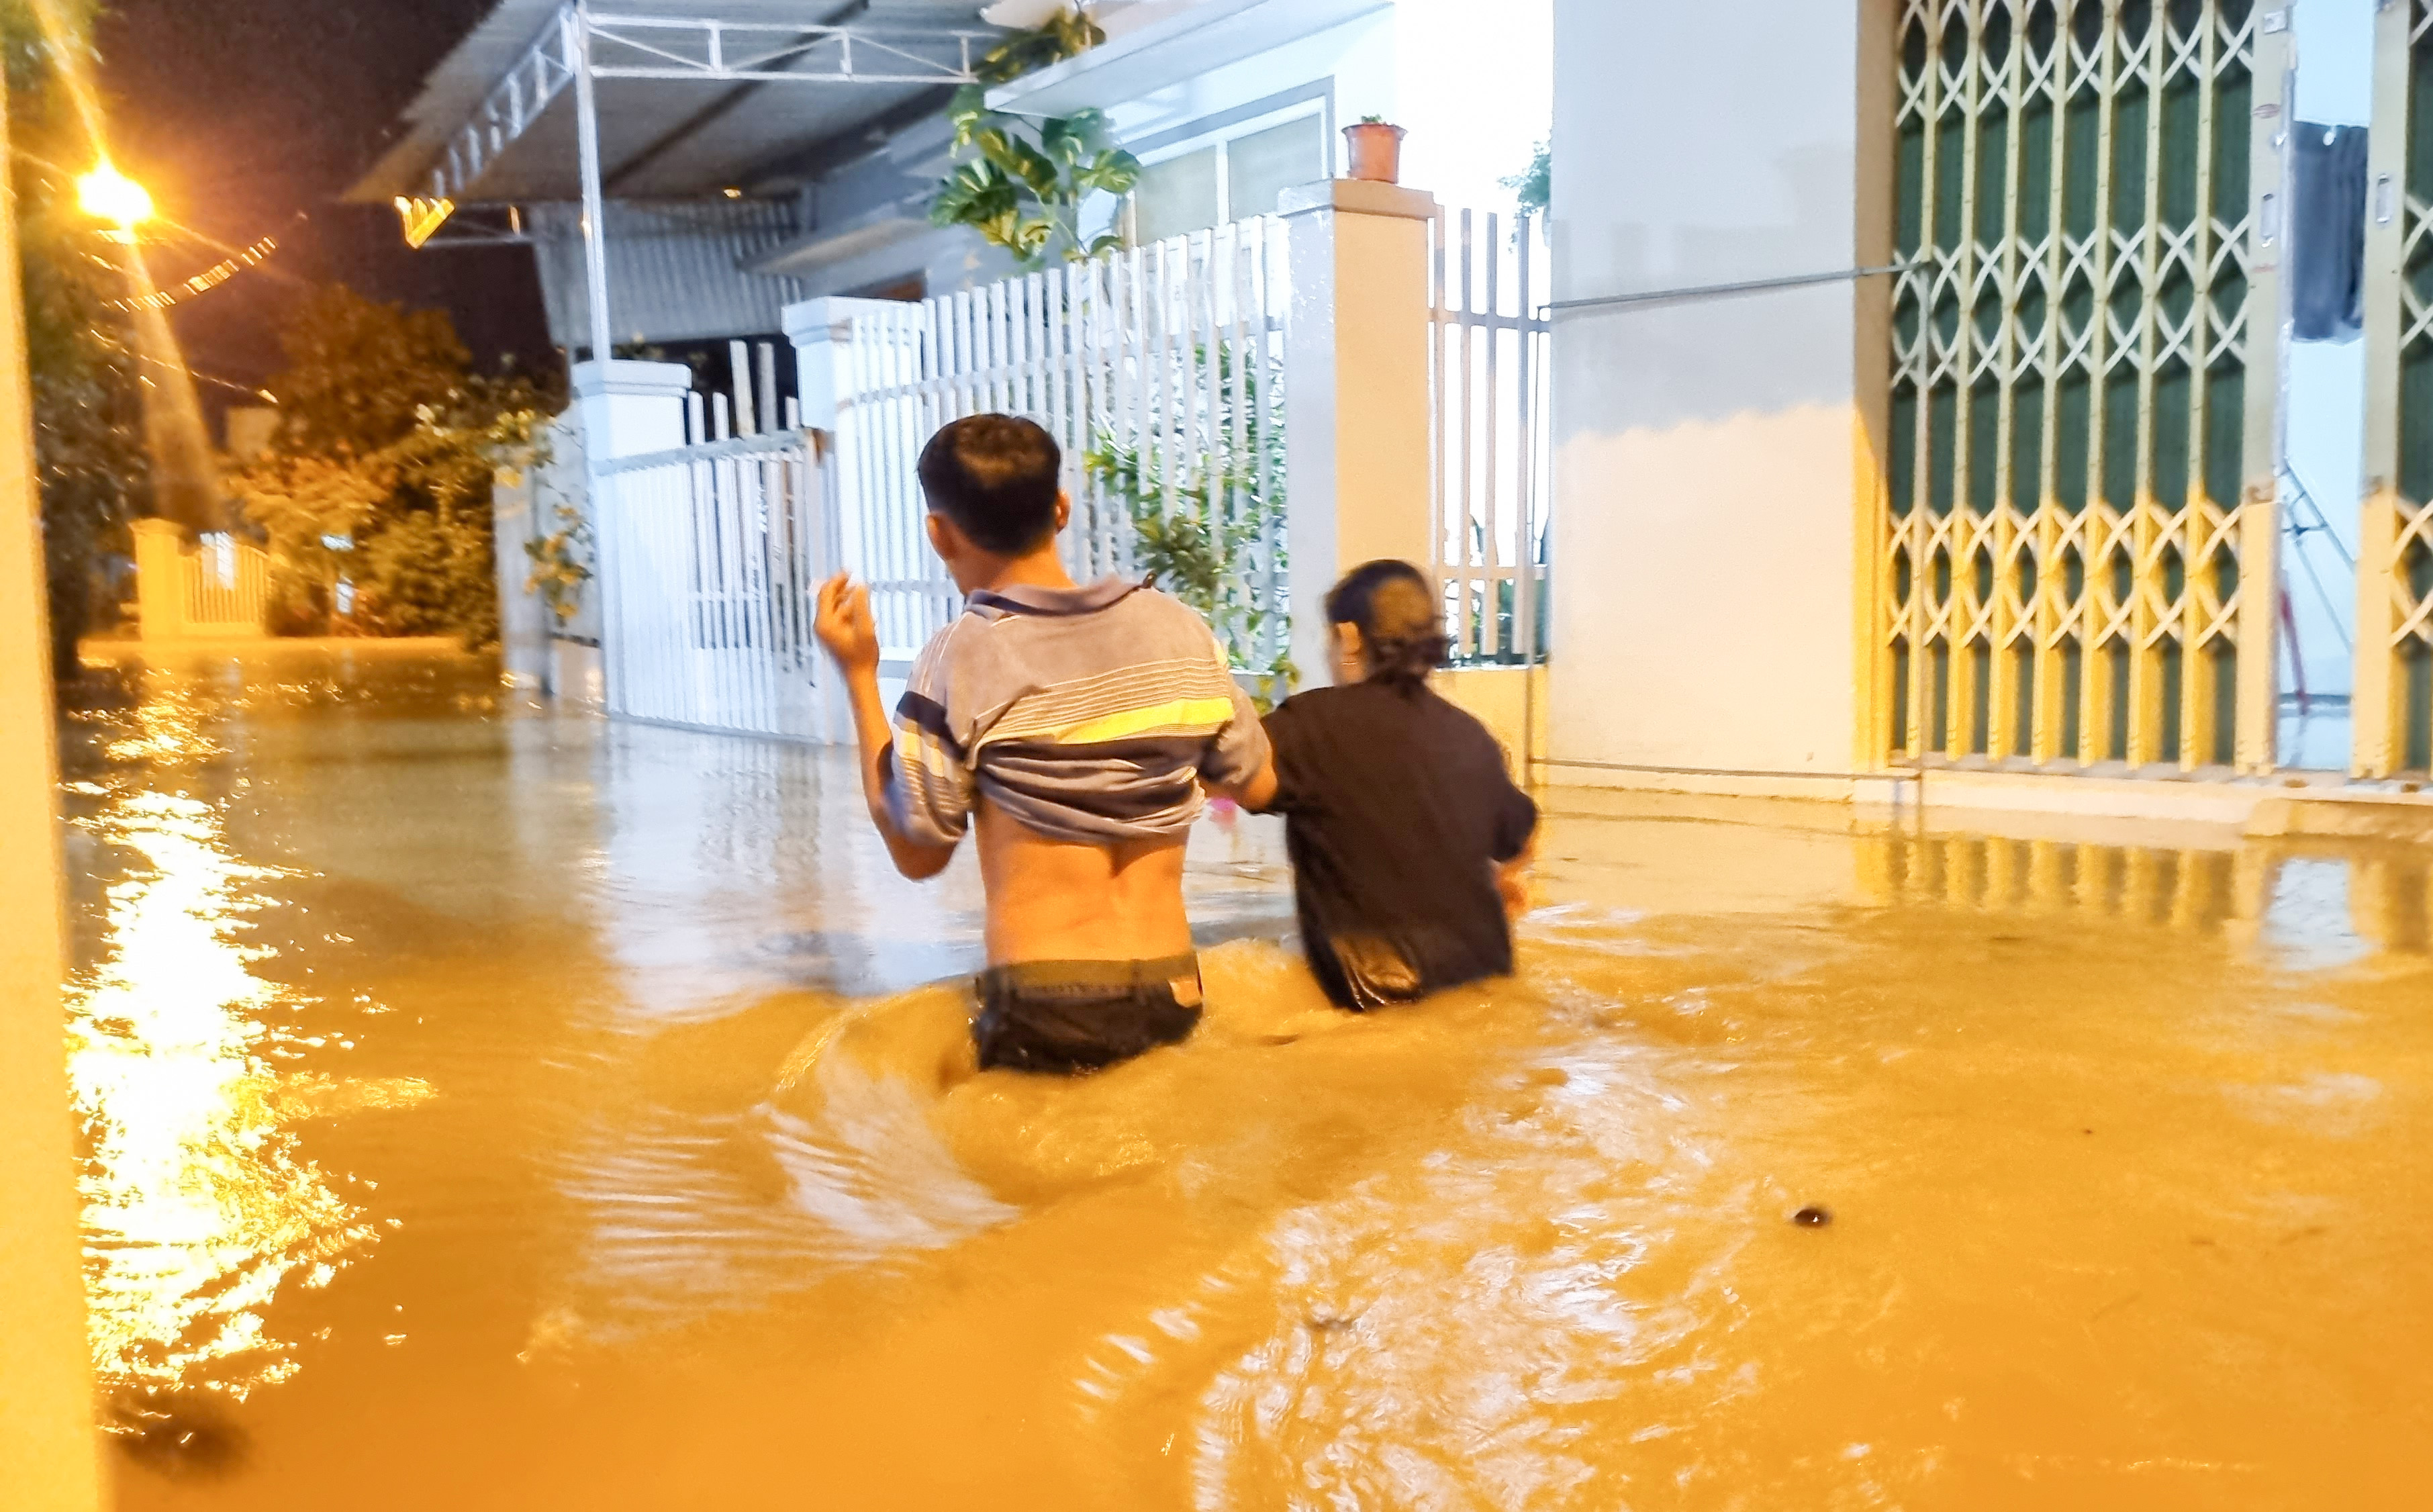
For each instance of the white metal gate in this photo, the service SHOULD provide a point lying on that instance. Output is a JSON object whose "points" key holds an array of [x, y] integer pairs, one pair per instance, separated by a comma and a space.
{"points": [[1490, 277], [227, 586], [712, 558], [1158, 369]]}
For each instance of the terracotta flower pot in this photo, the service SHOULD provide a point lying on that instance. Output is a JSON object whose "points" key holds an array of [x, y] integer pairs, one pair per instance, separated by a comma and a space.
{"points": [[1377, 151]]}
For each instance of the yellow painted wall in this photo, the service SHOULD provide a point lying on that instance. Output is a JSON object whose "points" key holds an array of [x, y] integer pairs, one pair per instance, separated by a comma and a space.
{"points": [[49, 1453], [1500, 698]]}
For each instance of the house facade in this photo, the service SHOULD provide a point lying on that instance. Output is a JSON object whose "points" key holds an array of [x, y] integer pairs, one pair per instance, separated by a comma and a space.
{"points": [[1926, 385], [728, 198], [1924, 371]]}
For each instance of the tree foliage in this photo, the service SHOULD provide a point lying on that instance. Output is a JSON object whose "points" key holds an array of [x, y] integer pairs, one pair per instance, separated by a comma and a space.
{"points": [[359, 373], [89, 455], [381, 475], [1535, 186]]}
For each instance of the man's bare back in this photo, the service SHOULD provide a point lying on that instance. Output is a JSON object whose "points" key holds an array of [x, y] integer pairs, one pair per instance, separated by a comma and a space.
{"points": [[1055, 900]]}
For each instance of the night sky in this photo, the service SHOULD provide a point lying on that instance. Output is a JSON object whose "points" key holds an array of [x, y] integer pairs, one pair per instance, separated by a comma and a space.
{"points": [[240, 114]]}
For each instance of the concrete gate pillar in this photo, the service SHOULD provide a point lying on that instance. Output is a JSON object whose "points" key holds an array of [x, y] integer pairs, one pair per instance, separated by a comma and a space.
{"points": [[1357, 404], [826, 361], [629, 409], [159, 579]]}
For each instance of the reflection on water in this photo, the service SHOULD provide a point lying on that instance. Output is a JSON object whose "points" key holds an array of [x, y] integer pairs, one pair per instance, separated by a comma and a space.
{"points": [[700, 1204]]}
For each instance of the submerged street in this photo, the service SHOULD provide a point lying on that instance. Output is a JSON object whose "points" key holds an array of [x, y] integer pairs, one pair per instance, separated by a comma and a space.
{"points": [[492, 1108]]}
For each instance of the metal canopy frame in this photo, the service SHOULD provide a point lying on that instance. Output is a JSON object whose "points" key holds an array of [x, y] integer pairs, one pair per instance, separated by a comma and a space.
{"points": [[580, 47], [482, 225]]}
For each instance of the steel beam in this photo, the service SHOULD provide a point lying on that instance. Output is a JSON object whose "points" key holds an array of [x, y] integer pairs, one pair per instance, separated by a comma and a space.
{"points": [[700, 50], [595, 223]]}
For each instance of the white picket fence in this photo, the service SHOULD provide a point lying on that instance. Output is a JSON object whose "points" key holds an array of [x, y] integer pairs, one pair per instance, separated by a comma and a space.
{"points": [[1161, 372], [1169, 357], [712, 556], [1491, 278]]}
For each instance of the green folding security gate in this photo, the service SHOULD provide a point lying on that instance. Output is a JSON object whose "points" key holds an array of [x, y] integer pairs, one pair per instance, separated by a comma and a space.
{"points": [[2077, 556]]}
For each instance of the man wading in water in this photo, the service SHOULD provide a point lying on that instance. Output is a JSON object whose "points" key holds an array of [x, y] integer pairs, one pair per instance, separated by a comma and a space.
{"points": [[1079, 722]]}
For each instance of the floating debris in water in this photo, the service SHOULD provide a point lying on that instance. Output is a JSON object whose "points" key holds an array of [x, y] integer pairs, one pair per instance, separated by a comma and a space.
{"points": [[184, 1434]]}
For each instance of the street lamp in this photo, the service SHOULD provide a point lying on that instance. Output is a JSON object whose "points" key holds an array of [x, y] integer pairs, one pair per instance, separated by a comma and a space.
{"points": [[106, 194]]}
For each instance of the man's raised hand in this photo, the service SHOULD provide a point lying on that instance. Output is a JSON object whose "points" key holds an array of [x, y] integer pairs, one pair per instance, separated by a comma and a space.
{"points": [[845, 624]]}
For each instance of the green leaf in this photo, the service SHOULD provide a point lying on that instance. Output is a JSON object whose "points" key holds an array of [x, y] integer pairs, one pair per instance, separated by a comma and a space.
{"points": [[1034, 167], [1115, 172], [1061, 141], [970, 114]]}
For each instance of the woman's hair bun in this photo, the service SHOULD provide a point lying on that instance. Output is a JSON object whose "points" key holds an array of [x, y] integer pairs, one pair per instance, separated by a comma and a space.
{"points": [[1401, 626]]}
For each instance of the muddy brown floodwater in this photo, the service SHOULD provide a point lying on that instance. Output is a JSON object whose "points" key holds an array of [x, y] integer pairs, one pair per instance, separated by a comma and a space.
{"points": [[489, 1109]]}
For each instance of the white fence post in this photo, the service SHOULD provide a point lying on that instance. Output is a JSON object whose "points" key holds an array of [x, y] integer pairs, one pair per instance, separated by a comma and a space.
{"points": [[1356, 396], [627, 408], [523, 619]]}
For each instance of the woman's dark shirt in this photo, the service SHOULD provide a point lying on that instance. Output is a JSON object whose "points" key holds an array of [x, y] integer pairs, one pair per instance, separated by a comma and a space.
{"points": [[1397, 811]]}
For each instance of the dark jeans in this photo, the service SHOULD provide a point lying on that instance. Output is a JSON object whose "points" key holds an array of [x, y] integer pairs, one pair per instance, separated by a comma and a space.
{"points": [[1067, 1017]]}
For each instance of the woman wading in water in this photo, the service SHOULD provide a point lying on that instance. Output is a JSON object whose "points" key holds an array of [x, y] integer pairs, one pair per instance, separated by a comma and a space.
{"points": [[1409, 841]]}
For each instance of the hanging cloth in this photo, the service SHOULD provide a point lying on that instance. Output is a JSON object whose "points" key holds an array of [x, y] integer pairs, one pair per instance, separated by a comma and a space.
{"points": [[2327, 232]]}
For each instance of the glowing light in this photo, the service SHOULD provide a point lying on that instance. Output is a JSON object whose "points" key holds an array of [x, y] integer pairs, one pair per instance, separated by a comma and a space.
{"points": [[422, 217], [204, 282], [106, 194]]}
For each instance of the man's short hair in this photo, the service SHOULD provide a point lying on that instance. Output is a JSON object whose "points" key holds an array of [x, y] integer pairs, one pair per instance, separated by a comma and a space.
{"points": [[995, 477]]}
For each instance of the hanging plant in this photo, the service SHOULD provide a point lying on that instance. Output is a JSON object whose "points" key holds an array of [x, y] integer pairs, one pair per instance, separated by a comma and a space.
{"points": [[1021, 183], [1069, 33]]}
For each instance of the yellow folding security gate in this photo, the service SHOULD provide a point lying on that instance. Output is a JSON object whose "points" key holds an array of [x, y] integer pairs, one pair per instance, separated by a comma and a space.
{"points": [[2393, 704], [2077, 556]]}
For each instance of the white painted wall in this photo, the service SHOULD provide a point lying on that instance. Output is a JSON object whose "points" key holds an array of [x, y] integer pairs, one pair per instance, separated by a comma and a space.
{"points": [[1355, 59], [1705, 449], [1473, 84]]}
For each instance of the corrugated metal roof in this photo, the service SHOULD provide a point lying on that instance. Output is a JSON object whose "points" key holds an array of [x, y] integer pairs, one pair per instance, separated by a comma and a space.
{"points": [[676, 271], [659, 139]]}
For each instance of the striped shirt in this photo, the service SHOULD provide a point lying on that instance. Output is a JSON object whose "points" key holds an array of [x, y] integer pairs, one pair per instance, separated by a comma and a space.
{"points": [[1088, 714]]}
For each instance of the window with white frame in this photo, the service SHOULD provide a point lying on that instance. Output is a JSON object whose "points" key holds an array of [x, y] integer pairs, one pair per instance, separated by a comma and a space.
{"points": [[1227, 175]]}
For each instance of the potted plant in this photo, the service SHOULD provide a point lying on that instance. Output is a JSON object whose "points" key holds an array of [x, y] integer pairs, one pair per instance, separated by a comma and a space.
{"points": [[1376, 150]]}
